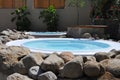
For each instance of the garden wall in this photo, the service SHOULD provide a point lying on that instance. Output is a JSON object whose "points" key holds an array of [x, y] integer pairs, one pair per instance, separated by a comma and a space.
{"points": [[67, 17]]}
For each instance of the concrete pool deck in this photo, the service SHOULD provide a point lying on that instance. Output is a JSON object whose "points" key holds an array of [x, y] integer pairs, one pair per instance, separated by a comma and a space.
{"points": [[113, 45]]}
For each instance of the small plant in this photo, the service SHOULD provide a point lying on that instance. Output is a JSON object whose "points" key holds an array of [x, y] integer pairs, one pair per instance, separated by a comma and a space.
{"points": [[20, 18], [50, 18]]}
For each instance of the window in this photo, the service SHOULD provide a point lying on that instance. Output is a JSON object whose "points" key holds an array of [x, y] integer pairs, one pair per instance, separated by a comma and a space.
{"points": [[46, 3], [12, 3]]}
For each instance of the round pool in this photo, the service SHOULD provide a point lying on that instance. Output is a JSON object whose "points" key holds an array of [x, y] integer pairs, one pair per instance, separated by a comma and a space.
{"points": [[46, 34], [76, 46]]}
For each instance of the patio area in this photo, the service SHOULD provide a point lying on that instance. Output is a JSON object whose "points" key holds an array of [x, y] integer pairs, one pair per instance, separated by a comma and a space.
{"points": [[38, 38]]}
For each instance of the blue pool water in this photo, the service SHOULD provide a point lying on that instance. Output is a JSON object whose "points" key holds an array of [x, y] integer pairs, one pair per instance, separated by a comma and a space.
{"points": [[46, 33], [65, 45]]}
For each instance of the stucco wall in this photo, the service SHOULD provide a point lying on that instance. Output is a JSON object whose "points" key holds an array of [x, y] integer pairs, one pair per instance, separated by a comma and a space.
{"points": [[67, 17]]}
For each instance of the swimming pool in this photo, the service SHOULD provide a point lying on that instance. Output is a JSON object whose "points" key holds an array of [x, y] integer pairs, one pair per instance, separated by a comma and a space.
{"points": [[46, 34], [76, 46]]}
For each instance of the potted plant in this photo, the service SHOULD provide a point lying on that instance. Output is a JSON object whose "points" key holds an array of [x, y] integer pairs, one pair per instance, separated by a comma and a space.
{"points": [[20, 18], [50, 17]]}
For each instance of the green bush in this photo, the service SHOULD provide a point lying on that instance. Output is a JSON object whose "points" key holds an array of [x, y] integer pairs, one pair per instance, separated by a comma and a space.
{"points": [[50, 17], [20, 18]]}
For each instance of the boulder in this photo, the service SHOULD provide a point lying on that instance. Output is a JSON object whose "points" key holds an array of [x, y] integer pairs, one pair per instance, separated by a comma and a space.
{"points": [[19, 51], [89, 58], [112, 66], [87, 35], [118, 56], [73, 69], [107, 76], [3, 46], [101, 56], [5, 39], [10, 56], [52, 63], [7, 59], [5, 32], [14, 37], [32, 60], [47, 76], [34, 72], [17, 76], [43, 55], [19, 68], [113, 53], [93, 69], [66, 56]]}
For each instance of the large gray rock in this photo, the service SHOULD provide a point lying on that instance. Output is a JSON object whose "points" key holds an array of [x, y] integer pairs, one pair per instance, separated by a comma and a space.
{"points": [[66, 56], [107, 76], [7, 59], [101, 56], [52, 63], [43, 55], [19, 51], [10, 56], [73, 69], [34, 72], [93, 69], [87, 35], [89, 58], [5, 32], [19, 68], [112, 66], [47, 76], [17, 76], [118, 56], [8, 35], [113, 53], [32, 60]]}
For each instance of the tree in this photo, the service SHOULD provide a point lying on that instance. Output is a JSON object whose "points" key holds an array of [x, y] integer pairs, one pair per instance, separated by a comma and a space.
{"points": [[78, 4]]}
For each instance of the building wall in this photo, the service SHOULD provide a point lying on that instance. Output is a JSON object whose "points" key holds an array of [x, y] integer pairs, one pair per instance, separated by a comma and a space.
{"points": [[67, 17]]}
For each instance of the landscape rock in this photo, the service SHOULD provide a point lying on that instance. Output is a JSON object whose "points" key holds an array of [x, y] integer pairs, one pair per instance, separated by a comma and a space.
{"points": [[87, 35], [47, 76], [115, 53], [9, 35], [93, 69], [101, 56], [89, 58], [112, 66], [67, 56], [19, 51], [17, 76], [73, 69], [7, 59], [107, 76], [5, 32], [43, 55], [32, 60], [19, 68], [52, 63], [10, 56], [118, 56], [35, 71]]}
